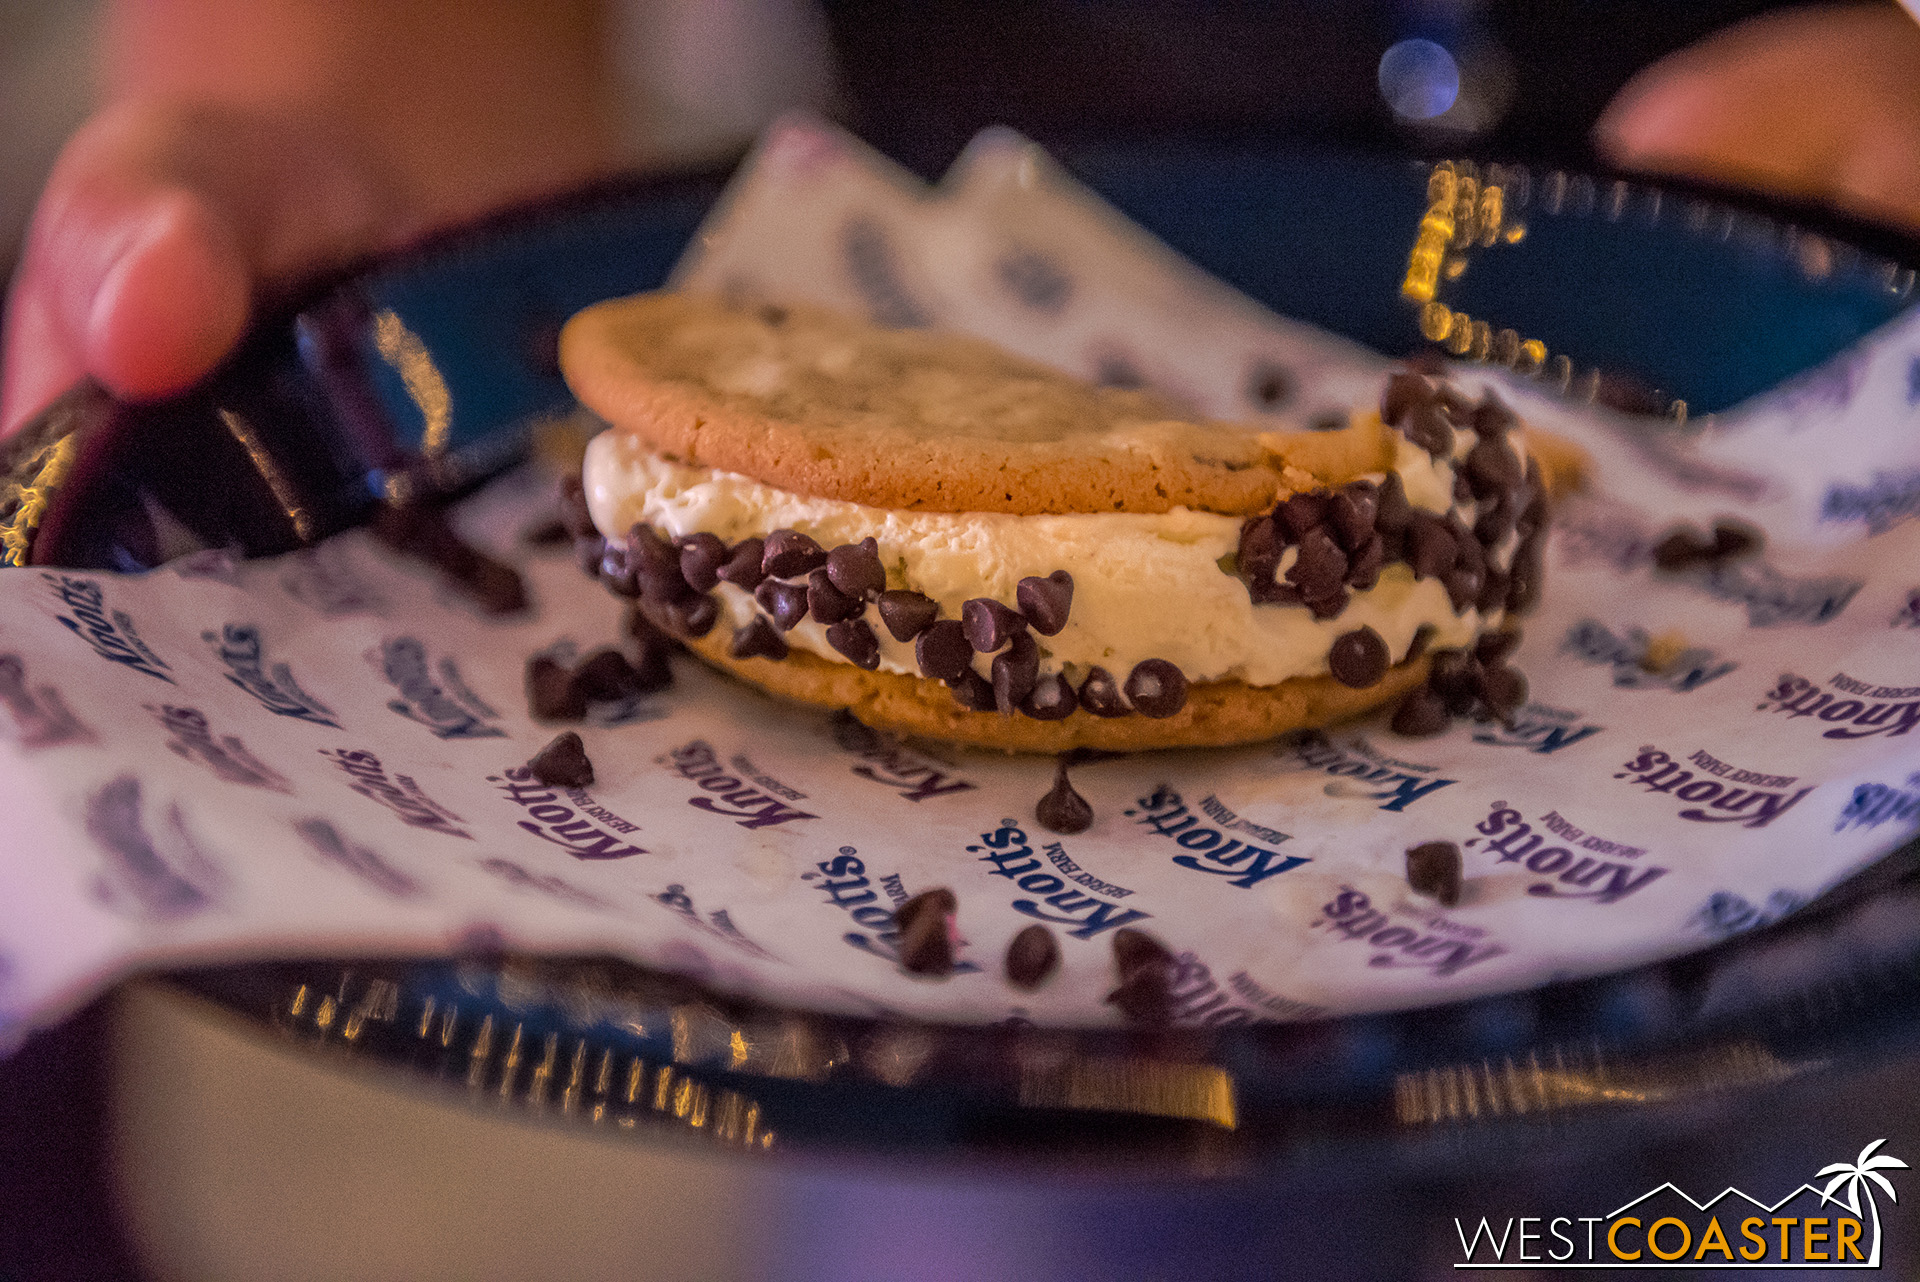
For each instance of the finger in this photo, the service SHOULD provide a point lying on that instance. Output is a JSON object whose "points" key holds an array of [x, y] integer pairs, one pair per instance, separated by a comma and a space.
{"points": [[155, 233]]}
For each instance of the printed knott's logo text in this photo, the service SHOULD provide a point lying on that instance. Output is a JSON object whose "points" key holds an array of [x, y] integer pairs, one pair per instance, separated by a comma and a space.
{"points": [[1850, 708], [1831, 1221]]}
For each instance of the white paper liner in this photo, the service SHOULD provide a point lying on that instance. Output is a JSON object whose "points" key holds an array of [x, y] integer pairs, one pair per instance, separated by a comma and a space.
{"points": [[318, 754]]}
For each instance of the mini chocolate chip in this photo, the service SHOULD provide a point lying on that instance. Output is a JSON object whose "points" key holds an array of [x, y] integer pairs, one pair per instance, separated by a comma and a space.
{"points": [[1359, 658], [925, 927], [758, 639], [550, 533], [853, 734], [696, 615], [574, 514], [1454, 675], [1492, 467], [1015, 670], [1156, 688], [1063, 810], [1430, 547], [1533, 516], [1269, 386], [1682, 549], [1462, 488], [1427, 426], [1467, 552], [786, 602], [1146, 971], [1494, 647], [1100, 694], [1363, 569], [605, 676], [656, 567], [1494, 524], [589, 552], [1523, 593], [1458, 405], [1261, 543], [1733, 540], [1330, 606], [828, 603], [1422, 638], [701, 556], [1052, 699], [1433, 869], [743, 564], [1046, 602], [563, 763], [1391, 509], [906, 614], [1463, 585], [551, 695], [1491, 417], [616, 569], [988, 624], [788, 554], [942, 650], [1402, 393], [855, 569], [853, 638], [972, 691], [1421, 714], [1504, 687], [1321, 566], [1352, 512], [1301, 513], [1495, 583], [1032, 957]]}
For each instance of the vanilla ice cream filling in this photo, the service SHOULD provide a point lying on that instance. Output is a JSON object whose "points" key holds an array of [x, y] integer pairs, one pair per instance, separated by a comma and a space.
{"points": [[1145, 586]]}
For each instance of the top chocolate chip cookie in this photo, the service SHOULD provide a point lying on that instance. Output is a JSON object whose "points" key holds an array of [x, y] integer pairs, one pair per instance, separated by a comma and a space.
{"points": [[815, 403]]}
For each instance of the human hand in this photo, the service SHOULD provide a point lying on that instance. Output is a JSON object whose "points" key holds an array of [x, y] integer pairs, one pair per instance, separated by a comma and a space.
{"points": [[247, 143], [1819, 103], [158, 228]]}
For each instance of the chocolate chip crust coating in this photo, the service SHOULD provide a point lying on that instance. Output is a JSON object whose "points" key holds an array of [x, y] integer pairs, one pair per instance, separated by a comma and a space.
{"points": [[1216, 714], [820, 404]]}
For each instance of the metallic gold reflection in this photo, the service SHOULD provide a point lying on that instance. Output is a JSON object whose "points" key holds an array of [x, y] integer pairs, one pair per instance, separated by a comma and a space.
{"points": [[401, 348], [1470, 1091], [277, 483], [1195, 1092]]}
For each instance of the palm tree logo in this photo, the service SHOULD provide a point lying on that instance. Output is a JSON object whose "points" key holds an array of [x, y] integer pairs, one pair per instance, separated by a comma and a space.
{"points": [[1855, 1175]]}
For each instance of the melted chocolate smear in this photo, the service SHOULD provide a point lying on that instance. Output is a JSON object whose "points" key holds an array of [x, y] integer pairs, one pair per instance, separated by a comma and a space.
{"points": [[1046, 602], [925, 925], [563, 763], [1032, 958], [1434, 868], [1146, 971], [1063, 810]]}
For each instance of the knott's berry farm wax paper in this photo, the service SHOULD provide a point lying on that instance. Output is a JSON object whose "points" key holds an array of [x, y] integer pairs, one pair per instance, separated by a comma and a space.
{"points": [[324, 752]]}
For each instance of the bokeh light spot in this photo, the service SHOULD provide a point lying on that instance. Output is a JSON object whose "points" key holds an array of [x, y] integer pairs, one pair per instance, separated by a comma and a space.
{"points": [[1419, 79]]}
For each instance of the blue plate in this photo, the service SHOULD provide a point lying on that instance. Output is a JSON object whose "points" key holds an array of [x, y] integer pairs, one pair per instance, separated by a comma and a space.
{"points": [[1651, 296]]}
